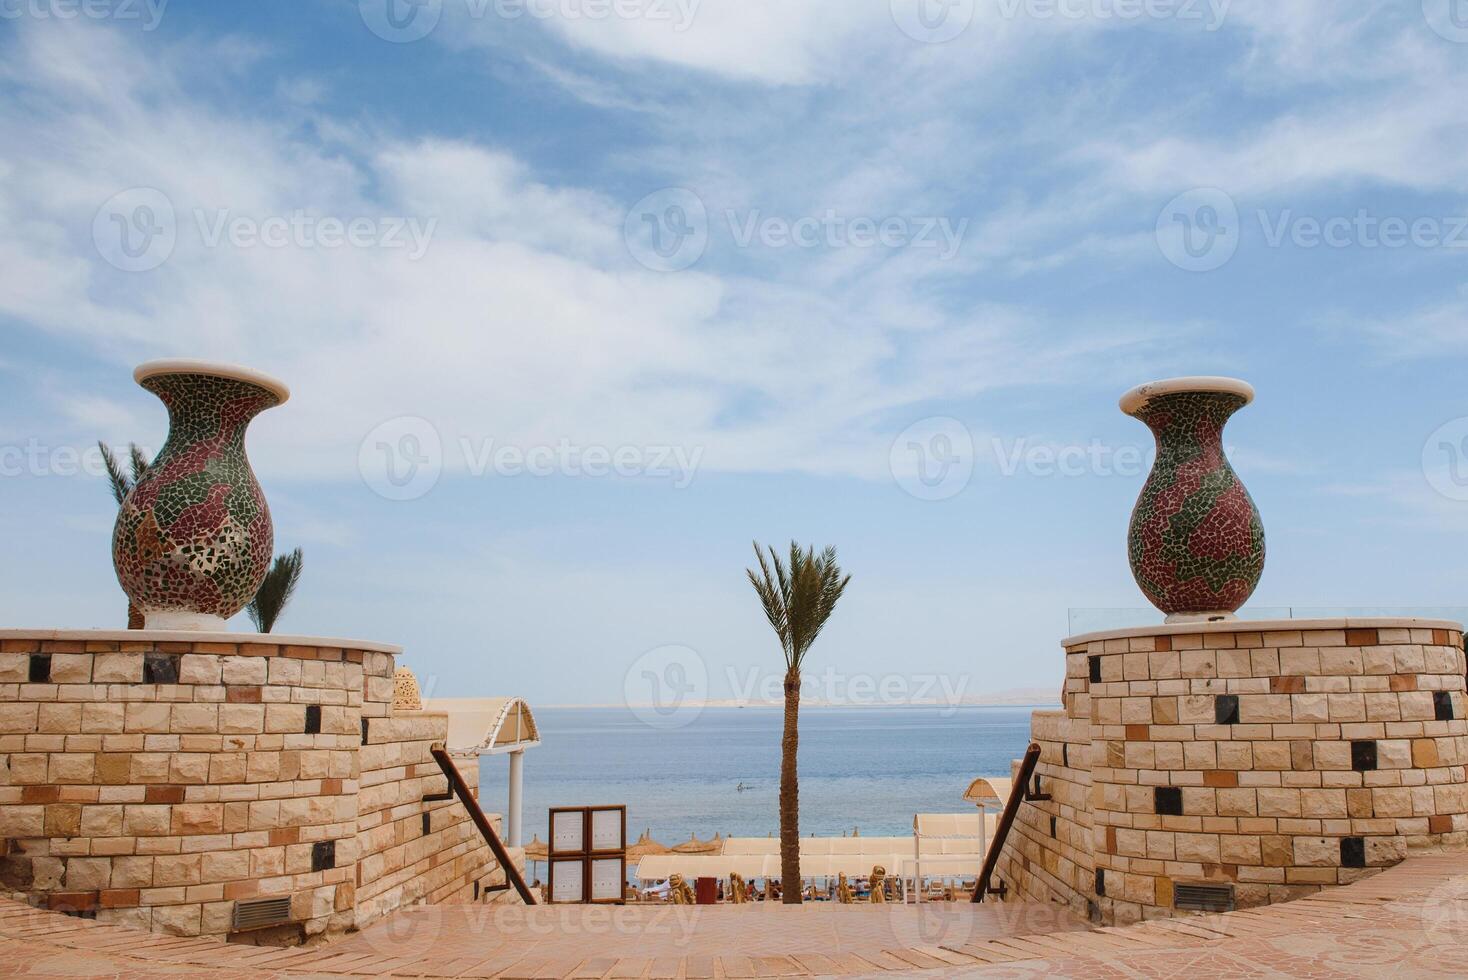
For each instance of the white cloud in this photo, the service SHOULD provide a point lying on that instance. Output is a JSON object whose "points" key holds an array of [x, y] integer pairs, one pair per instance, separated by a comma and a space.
{"points": [[525, 320], [1432, 330]]}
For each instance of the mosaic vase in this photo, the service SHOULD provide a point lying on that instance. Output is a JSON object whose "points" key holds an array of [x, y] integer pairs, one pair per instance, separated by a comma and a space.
{"points": [[193, 539], [1196, 542]]}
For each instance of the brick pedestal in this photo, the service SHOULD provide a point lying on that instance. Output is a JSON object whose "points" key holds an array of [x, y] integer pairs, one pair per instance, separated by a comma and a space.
{"points": [[158, 778], [1270, 757]]}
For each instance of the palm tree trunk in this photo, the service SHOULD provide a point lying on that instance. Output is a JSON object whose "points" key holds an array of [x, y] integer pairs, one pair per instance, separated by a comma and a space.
{"points": [[134, 617], [790, 882]]}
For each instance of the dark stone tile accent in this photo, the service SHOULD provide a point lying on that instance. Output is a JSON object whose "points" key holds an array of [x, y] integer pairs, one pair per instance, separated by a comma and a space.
{"points": [[364, 731], [1226, 709], [1168, 800], [160, 668], [323, 855], [1095, 664], [40, 668], [1353, 852], [1052, 826], [427, 824], [1442, 705], [1065, 754], [1101, 882], [1363, 756], [313, 719]]}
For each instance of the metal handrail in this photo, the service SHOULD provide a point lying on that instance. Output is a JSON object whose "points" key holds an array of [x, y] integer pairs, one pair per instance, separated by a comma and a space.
{"points": [[1017, 795], [486, 830]]}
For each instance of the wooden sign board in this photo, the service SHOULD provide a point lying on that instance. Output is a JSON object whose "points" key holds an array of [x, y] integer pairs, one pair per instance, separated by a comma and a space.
{"points": [[588, 855]]}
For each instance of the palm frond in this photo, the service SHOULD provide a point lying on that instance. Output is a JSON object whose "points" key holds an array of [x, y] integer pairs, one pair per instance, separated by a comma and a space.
{"points": [[137, 461], [798, 597], [275, 591], [118, 480], [773, 595]]}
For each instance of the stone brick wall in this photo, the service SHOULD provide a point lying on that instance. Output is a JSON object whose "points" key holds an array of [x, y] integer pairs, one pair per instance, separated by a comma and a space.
{"points": [[1276, 758], [156, 779], [412, 851], [1048, 857]]}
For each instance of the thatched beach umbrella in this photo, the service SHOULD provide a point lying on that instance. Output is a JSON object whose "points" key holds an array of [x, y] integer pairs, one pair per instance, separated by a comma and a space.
{"points": [[645, 847], [535, 852], [695, 846]]}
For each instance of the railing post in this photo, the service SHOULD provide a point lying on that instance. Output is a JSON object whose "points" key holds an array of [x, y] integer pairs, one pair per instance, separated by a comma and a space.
{"points": [[1011, 809], [486, 829]]}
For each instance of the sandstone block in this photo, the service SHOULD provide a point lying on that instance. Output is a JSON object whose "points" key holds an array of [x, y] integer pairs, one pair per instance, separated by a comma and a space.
{"points": [[195, 718], [146, 716], [18, 717], [195, 668], [88, 874], [118, 668], [245, 670], [177, 920]]}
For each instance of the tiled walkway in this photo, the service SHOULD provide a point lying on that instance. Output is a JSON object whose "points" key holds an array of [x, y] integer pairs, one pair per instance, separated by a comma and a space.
{"points": [[1409, 921]]}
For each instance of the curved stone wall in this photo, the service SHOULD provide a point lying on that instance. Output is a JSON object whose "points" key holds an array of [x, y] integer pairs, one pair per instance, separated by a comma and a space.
{"points": [[1273, 758], [158, 778]]}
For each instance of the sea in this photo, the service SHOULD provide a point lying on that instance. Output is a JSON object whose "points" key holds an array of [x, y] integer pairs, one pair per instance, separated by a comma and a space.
{"points": [[861, 768]]}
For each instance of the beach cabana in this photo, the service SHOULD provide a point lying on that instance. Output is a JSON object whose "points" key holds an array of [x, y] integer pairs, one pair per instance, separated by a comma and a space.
{"points": [[656, 867], [492, 726], [951, 841]]}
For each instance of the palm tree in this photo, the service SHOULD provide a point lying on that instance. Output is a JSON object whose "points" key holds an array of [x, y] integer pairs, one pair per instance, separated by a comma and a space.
{"points": [[798, 600], [275, 591], [122, 483]]}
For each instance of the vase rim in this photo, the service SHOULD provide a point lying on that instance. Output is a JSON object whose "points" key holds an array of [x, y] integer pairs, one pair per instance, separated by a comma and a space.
{"points": [[1143, 393], [212, 369]]}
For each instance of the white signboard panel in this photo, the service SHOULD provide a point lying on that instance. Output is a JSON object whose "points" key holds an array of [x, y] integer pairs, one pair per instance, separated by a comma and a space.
{"points": [[568, 888], [606, 830], [606, 879], [567, 832]]}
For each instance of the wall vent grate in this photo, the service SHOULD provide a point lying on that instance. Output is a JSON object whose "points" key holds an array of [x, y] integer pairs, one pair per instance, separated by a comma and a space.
{"points": [[1203, 898], [258, 913]]}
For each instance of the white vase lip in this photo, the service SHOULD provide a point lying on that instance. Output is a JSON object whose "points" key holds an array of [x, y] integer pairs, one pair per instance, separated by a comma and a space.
{"points": [[1143, 393], [212, 369]]}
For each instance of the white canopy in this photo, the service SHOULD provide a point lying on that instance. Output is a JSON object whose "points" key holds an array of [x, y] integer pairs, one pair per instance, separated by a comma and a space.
{"points": [[959, 854], [819, 845], [927, 825], [989, 791], [486, 726]]}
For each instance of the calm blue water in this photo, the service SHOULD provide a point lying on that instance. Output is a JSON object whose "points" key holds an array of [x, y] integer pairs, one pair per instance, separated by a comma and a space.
{"points": [[871, 768]]}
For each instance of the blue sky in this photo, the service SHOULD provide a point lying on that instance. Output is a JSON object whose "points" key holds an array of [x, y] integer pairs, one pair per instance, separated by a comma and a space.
{"points": [[753, 253]]}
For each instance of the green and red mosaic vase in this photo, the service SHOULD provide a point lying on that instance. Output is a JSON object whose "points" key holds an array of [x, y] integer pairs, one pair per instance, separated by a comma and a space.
{"points": [[193, 539], [1196, 542]]}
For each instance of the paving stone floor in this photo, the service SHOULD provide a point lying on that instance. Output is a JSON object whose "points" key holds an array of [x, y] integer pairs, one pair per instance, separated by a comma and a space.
{"points": [[1409, 921]]}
